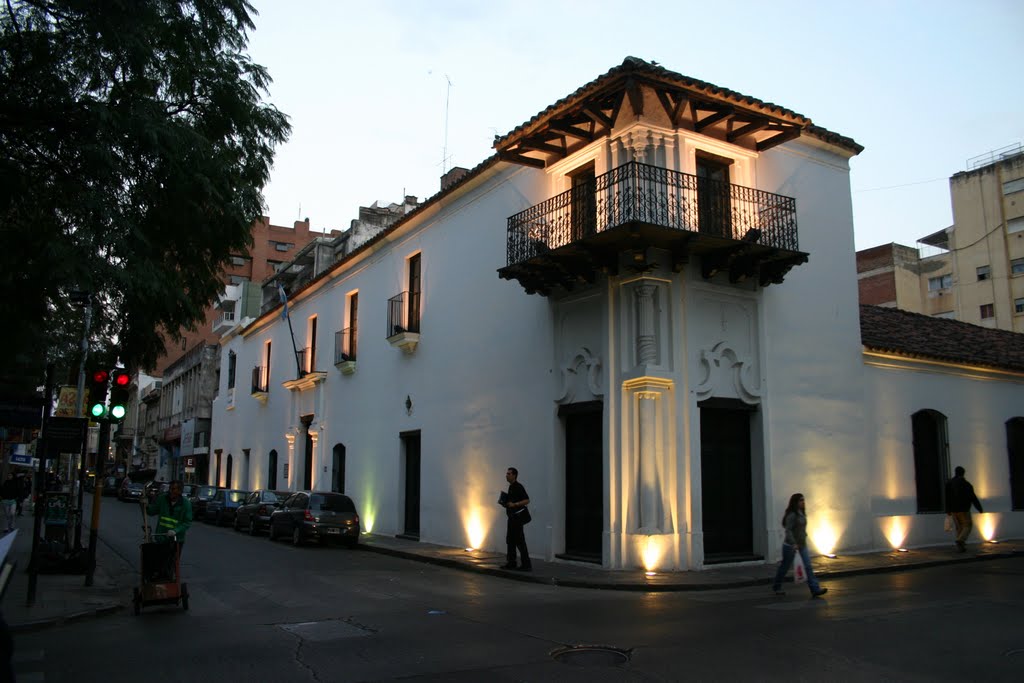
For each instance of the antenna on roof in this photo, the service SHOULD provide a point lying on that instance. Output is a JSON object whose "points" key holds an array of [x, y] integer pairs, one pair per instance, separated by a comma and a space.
{"points": [[444, 152]]}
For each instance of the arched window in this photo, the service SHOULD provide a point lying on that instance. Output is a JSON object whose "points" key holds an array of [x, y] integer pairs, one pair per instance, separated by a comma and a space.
{"points": [[338, 469], [272, 466], [931, 459], [1015, 452]]}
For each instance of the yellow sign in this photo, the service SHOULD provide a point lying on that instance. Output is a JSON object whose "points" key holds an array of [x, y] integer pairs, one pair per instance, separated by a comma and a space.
{"points": [[66, 402]]}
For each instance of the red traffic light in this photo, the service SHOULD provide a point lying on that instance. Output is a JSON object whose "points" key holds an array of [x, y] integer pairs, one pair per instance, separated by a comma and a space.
{"points": [[121, 378], [100, 376]]}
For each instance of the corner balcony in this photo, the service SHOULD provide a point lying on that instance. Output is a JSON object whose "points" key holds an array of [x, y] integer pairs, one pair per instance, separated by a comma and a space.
{"points": [[567, 240]]}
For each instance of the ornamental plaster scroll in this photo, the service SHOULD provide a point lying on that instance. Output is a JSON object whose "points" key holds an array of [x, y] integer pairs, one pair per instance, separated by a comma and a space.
{"points": [[581, 373], [721, 361]]}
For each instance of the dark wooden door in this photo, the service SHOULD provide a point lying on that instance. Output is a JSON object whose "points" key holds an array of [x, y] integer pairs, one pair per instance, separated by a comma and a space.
{"points": [[411, 443], [714, 208], [272, 467], [307, 475], [584, 485], [726, 488], [584, 203]]}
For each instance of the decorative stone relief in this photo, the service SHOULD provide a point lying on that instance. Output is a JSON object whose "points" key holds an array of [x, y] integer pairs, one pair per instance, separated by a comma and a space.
{"points": [[646, 337], [728, 374], [580, 376]]}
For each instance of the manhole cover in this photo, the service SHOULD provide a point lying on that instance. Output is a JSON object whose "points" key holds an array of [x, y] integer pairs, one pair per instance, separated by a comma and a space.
{"points": [[325, 630], [591, 655]]}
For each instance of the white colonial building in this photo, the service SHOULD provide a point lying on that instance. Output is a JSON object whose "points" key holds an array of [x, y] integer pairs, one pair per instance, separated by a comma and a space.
{"points": [[646, 301]]}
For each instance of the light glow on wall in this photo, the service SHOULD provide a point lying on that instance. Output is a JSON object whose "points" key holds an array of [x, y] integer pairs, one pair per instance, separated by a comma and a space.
{"points": [[473, 524], [824, 535], [896, 530], [653, 551], [987, 525]]}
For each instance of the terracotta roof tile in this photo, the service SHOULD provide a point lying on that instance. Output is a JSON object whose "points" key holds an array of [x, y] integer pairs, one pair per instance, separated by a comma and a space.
{"points": [[912, 334]]}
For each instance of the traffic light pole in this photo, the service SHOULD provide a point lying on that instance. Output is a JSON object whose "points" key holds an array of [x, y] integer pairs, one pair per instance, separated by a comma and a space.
{"points": [[97, 496]]}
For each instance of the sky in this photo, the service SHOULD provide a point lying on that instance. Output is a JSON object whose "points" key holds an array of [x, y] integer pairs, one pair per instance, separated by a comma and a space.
{"points": [[383, 96]]}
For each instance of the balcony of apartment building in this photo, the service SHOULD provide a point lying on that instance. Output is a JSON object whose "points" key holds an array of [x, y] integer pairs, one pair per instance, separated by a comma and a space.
{"points": [[567, 240], [228, 305]]}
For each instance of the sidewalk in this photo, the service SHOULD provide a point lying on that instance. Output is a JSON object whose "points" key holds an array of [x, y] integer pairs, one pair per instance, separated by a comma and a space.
{"points": [[582, 575], [61, 599]]}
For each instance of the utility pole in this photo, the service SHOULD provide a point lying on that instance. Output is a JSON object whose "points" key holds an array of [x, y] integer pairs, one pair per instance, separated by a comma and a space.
{"points": [[84, 299], [41, 449]]}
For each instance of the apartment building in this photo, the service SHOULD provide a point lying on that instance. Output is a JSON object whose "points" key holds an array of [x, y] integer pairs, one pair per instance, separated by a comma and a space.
{"points": [[972, 271]]}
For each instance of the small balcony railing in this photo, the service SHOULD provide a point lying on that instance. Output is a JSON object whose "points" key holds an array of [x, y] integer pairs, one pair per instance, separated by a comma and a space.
{"points": [[260, 379], [345, 345], [403, 313], [636, 193], [305, 360]]}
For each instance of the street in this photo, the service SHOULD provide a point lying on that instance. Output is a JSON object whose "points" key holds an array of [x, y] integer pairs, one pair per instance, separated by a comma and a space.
{"points": [[267, 611]]}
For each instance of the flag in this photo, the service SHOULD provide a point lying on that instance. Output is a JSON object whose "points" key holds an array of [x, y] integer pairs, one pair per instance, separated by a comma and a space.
{"points": [[284, 300]]}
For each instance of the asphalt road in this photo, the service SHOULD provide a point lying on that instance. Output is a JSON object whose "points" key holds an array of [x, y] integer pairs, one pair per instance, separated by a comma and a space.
{"points": [[267, 611]]}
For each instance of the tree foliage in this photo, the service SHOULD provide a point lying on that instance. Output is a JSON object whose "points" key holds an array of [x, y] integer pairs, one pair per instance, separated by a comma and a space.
{"points": [[134, 146]]}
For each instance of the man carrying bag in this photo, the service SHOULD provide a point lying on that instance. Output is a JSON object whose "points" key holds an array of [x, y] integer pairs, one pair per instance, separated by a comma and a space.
{"points": [[515, 502]]}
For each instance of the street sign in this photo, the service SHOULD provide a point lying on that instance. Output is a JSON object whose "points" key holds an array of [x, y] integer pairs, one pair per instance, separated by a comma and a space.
{"points": [[64, 435]]}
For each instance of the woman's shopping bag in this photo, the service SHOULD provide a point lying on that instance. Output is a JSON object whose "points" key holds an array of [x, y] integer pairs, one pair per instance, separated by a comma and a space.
{"points": [[799, 570]]}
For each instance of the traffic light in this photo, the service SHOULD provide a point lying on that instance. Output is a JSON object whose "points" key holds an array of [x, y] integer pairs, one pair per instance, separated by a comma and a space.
{"points": [[119, 381], [98, 380]]}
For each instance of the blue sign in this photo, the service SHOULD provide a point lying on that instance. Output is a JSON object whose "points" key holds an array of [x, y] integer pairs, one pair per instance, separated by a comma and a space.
{"points": [[21, 459]]}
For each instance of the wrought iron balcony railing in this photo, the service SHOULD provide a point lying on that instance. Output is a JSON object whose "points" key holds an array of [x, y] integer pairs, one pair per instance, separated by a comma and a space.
{"points": [[402, 318], [260, 379], [305, 360], [345, 345], [636, 193]]}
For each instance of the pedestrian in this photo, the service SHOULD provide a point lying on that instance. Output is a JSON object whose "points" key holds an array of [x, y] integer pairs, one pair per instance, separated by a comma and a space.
{"points": [[515, 502], [794, 521], [24, 491], [959, 498], [9, 500]]}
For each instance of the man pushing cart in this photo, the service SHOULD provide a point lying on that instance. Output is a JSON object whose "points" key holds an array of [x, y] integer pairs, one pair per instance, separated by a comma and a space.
{"points": [[161, 550]]}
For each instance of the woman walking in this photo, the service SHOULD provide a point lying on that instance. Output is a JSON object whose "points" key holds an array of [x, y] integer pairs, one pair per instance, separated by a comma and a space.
{"points": [[794, 521]]}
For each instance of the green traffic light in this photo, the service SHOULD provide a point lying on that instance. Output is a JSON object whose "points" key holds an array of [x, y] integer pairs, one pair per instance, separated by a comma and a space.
{"points": [[117, 412], [97, 410]]}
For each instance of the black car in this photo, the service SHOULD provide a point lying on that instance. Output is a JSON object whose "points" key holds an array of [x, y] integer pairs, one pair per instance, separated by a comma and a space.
{"points": [[132, 492], [221, 508], [201, 495], [254, 514], [315, 515]]}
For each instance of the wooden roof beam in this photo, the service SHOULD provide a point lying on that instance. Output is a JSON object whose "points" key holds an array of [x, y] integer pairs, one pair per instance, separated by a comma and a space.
{"points": [[517, 158], [598, 116], [709, 121], [565, 128], [784, 135], [542, 146], [743, 131], [673, 109]]}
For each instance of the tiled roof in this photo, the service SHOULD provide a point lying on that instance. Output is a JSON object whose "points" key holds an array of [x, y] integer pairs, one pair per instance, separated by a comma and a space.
{"points": [[922, 336], [632, 65]]}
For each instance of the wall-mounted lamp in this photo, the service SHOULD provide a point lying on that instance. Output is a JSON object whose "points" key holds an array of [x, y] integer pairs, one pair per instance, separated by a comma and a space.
{"points": [[408, 405]]}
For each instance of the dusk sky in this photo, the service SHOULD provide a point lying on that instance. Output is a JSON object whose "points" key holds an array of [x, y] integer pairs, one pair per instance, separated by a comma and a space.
{"points": [[923, 86]]}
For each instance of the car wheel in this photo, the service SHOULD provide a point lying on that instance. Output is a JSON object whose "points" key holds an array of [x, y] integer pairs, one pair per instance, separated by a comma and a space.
{"points": [[270, 531], [252, 526], [350, 542], [297, 537]]}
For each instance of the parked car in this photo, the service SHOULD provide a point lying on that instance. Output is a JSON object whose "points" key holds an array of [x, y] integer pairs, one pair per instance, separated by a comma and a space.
{"points": [[132, 492], [200, 496], [316, 515], [254, 513], [222, 507], [111, 486]]}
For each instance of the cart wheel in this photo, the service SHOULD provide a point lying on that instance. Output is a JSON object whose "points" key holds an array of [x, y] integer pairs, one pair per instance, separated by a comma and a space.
{"points": [[184, 596], [296, 537], [136, 602]]}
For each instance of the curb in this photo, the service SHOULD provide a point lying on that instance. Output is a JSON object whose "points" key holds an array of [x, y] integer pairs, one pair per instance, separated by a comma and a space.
{"points": [[65, 619], [673, 587]]}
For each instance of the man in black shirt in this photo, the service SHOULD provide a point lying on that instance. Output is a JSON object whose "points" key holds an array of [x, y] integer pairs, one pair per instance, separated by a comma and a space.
{"points": [[959, 498], [515, 509]]}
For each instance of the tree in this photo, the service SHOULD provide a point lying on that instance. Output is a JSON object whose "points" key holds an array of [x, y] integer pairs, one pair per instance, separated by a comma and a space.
{"points": [[134, 146]]}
